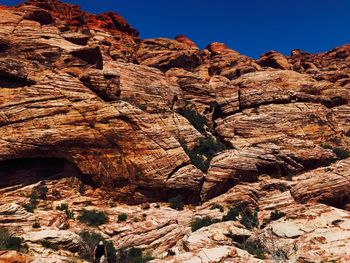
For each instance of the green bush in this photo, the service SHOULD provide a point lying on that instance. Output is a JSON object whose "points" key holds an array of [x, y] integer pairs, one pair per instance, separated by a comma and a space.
{"points": [[92, 239], [41, 191], [198, 223], [36, 224], [29, 207], [64, 207], [133, 255], [341, 153], [176, 202], [197, 120], [9, 242], [48, 244], [93, 217], [253, 249], [122, 217], [204, 152], [275, 215], [217, 206], [249, 219], [232, 214]]}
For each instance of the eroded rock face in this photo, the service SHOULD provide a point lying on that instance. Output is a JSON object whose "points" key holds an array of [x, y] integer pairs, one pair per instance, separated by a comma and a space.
{"points": [[104, 120]]}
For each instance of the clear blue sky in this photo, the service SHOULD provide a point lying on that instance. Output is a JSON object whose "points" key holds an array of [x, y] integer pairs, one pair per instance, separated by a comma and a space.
{"points": [[251, 27]]}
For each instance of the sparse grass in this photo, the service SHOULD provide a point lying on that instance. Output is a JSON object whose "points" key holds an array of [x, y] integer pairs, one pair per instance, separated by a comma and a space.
{"points": [[275, 215], [176, 202], [9, 242], [122, 217], [198, 223], [92, 239], [93, 217]]}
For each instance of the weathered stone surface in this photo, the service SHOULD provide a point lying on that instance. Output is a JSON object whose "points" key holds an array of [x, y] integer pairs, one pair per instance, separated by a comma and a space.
{"points": [[63, 239], [165, 53], [274, 59], [14, 256], [235, 166], [316, 232], [328, 185], [279, 123], [90, 116]]}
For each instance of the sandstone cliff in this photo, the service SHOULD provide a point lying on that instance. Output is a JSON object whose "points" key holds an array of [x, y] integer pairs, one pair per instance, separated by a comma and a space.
{"points": [[108, 121]]}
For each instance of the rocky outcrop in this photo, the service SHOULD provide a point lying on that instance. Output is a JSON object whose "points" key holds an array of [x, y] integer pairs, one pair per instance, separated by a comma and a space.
{"points": [[326, 185], [93, 117], [164, 54], [274, 59]]}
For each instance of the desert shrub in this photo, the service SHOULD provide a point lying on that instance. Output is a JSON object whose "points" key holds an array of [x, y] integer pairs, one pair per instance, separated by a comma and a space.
{"points": [[29, 207], [253, 249], [203, 153], [9, 242], [133, 255], [48, 244], [197, 120], [341, 153], [122, 217], [198, 223], [275, 215], [64, 207], [176, 202], [41, 191], [249, 219], [217, 206], [93, 217], [33, 202], [92, 239], [36, 224], [232, 214]]}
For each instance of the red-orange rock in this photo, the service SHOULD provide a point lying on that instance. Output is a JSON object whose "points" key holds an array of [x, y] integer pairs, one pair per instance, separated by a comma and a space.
{"points": [[183, 39]]}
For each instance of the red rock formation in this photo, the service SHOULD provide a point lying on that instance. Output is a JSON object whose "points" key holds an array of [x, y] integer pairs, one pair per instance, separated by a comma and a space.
{"points": [[94, 117], [183, 39]]}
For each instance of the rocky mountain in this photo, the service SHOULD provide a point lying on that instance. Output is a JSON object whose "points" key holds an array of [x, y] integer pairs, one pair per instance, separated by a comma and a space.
{"points": [[167, 152]]}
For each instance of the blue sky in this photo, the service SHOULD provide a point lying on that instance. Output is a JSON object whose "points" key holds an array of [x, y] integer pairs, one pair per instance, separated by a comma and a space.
{"points": [[251, 27]]}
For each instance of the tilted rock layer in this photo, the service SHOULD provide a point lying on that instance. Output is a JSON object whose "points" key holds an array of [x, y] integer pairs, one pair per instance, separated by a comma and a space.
{"points": [[84, 99]]}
